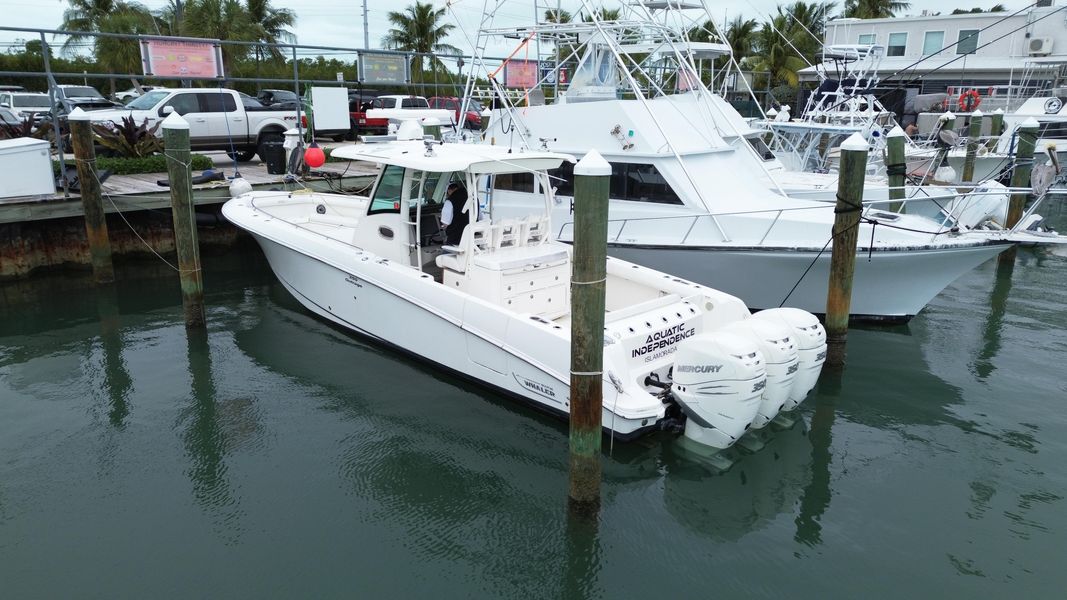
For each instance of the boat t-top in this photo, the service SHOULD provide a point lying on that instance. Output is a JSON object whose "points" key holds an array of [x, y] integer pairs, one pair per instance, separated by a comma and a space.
{"points": [[494, 306]]}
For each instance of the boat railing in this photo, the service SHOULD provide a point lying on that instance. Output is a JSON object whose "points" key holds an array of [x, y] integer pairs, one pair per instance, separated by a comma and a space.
{"points": [[945, 205]]}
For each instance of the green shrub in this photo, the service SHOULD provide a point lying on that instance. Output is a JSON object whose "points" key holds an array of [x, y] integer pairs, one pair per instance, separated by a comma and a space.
{"points": [[156, 163]]}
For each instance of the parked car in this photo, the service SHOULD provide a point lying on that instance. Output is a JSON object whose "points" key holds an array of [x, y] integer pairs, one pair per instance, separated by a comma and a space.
{"points": [[217, 118], [126, 95], [473, 119], [9, 117], [272, 97], [28, 105]]}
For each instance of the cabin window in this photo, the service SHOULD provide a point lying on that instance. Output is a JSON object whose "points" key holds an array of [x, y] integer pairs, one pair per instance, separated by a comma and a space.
{"points": [[515, 182], [761, 148], [563, 179], [387, 193], [933, 42], [183, 104], [640, 183], [967, 42], [898, 43], [866, 39]]}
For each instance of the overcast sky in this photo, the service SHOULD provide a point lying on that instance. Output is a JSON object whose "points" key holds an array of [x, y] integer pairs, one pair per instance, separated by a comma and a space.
{"points": [[340, 22]]}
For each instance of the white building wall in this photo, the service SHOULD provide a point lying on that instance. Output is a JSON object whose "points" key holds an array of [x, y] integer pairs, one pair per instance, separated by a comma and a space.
{"points": [[1013, 44]]}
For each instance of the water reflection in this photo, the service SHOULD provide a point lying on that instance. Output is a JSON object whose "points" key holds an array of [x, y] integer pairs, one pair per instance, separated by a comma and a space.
{"points": [[117, 380], [816, 498], [758, 488], [983, 364]]}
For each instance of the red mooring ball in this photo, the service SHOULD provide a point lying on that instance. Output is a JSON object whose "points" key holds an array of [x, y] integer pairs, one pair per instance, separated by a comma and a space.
{"points": [[314, 157]]}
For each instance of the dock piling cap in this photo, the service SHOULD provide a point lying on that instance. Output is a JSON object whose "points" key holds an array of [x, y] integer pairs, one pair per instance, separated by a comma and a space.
{"points": [[1030, 123], [592, 164], [175, 121], [854, 143], [78, 115], [977, 114], [896, 132]]}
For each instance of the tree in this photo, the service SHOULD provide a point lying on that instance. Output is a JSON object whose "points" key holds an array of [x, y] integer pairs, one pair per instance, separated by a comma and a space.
{"points": [[271, 25], [226, 20], [419, 29], [560, 16], [874, 9], [603, 14], [108, 16], [774, 52]]}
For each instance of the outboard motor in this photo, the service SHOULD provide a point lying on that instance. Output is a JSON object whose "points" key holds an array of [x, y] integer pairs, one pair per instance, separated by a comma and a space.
{"points": [[810, 338], [775, 342], [718, 381]]}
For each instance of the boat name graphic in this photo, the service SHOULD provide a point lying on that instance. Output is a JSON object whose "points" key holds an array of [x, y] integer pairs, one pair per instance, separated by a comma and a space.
{"points": [[535, 387], [353, 280], [663, 339], [699, 368], [762, 383]]}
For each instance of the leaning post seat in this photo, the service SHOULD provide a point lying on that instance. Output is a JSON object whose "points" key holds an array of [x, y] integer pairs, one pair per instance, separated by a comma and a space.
{"points": [[516, 269]]}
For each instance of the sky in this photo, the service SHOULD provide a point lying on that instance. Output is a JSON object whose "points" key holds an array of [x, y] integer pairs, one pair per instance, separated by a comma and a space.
{"points": [[340, 23]]}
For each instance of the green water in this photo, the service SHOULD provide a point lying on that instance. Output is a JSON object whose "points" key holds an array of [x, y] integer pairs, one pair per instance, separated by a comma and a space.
{"points": [[277, 456]]}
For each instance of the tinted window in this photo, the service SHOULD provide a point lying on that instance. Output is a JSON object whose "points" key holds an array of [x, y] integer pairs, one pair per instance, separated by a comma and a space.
{"points": [[641, 183], [184, 104], [898, 43], [414, 103], [216, 102], [29, 100], [387, 194], [81, 92], [968, 41], [516, 182], [563, 179]]}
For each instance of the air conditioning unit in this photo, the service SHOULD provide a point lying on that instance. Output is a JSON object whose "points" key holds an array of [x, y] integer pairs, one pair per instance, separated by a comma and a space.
{"points": [[1040, 46]]}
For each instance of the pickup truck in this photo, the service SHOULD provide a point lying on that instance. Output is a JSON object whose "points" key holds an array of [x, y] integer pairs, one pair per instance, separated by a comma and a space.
{"points": [[218, 119], [406, 107], [473, 117]]}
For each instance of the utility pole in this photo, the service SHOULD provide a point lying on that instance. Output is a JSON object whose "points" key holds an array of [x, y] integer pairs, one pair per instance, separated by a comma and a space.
{"points": [[366, 28]]}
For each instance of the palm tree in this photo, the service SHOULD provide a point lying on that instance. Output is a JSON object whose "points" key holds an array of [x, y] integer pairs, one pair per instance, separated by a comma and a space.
{"points": [[418, 29], [557, 16], [805, 25], [603, 14], [774, 53], [108, 16], [741, 37], [874, 9], [221, 20], [271, 25]]}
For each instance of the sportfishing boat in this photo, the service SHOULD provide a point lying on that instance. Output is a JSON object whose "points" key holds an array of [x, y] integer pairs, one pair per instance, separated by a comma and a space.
{"points": [[687, 188], [495, 307]]}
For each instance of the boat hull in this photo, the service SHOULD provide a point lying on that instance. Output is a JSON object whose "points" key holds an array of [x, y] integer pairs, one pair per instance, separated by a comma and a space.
{"points": [[889, 285], [349, 300]]}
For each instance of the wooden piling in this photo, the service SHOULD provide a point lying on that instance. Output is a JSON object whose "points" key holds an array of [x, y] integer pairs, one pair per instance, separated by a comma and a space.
{"points": [[948, 121], [996, 128], [1020, 178], [179, 173], [896, 168], [591, 180], [974, 135], [81, 136], [848, 210]]}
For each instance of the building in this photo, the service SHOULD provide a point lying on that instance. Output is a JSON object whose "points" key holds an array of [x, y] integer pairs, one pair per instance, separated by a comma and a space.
{"points": [[943, 53]]}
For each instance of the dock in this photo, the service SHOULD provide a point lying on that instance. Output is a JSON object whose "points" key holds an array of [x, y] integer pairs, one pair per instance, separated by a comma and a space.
{"points": [[142, 192], [50, 232]]}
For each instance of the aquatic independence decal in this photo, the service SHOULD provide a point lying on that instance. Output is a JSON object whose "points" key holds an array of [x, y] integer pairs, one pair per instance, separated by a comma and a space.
{"points": [[663, 339]]}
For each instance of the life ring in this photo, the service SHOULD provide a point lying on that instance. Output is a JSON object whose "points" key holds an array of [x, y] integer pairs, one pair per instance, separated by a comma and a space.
{"points": [[969, 100]]}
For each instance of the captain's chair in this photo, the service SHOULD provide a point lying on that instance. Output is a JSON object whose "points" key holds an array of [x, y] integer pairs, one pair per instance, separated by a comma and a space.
{"points": [[477, 238]]}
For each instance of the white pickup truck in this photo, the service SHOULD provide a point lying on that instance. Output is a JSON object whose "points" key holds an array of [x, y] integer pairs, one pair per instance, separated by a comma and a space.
{"points": [[218, 119], [396, 108]]}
